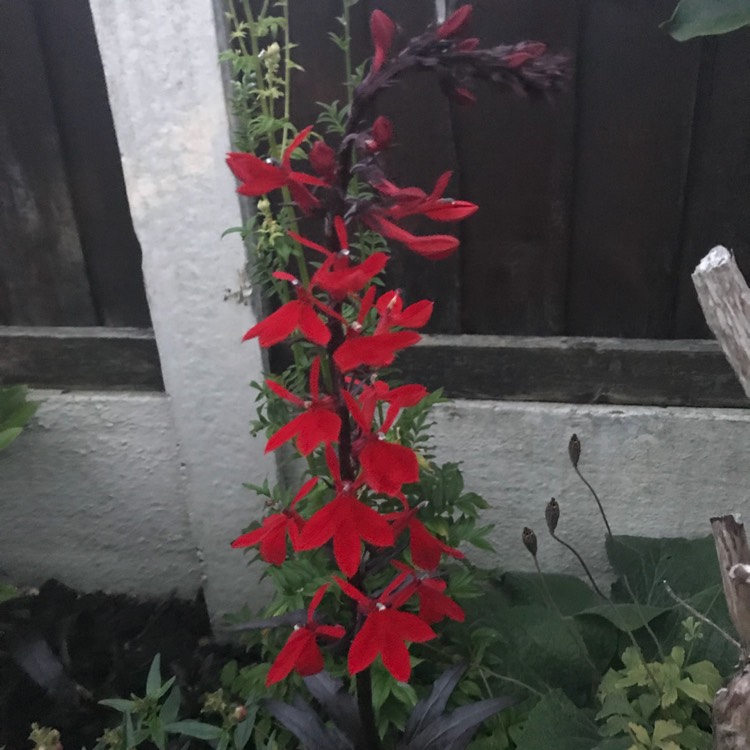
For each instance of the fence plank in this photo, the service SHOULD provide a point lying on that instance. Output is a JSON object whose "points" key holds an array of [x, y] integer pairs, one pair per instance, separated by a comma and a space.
{"points": [[80, 357], [424, 148], [42, 271], [516, 161], [718, 205], [636, 89], [92, 158]]}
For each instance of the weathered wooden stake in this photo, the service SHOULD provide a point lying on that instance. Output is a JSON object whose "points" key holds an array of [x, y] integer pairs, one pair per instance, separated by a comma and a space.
{"points": [[725, 299]]}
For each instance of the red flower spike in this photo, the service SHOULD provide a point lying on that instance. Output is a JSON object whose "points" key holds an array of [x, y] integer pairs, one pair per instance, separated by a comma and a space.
{"points": [[319, 423], [382, 30], [347, 521], [385, 633], [301, 652], [455, 24], [260, 176]]}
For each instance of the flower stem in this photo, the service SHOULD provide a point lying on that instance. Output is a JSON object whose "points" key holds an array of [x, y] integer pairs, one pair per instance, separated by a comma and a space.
{"points": [[366, 711]]}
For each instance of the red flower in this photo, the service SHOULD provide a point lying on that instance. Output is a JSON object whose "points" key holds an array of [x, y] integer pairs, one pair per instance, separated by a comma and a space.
{"points": [[392, 312], [337, 275], [259, 176], [426, 549], [524, 52], [434, 605], [301, 313], [319, 423], [382, 29], [386, 629], [301, 651], [434, 205], [347, 521], [373, 351], [386, 467], [273, 533], [455, 24]]}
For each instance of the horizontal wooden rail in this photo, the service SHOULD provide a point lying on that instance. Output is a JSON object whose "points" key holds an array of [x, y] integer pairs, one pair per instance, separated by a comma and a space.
{"points": [[575, 370], [80, 358]]}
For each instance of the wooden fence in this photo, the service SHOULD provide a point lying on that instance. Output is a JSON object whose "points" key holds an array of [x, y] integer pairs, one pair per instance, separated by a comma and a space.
{"points": [[596, 207]]}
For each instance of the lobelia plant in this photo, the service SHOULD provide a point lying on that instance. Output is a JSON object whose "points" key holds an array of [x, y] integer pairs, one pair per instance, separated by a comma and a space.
{"points": [[361, 516]]}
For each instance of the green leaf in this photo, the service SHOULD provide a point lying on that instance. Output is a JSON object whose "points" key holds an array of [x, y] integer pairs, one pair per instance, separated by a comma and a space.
{"points": [[119, 704], [8, 436], [693, 18], [197, 729], [153, 681], [625, 617], [688, 565], [171, 706], [555, 722]]}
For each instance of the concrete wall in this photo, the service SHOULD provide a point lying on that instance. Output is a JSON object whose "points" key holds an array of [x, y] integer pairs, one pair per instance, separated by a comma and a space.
{"points": [[143, 492]]}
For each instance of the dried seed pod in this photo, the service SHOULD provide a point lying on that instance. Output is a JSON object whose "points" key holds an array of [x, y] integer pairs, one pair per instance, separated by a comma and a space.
{"points": [[574, 450], [529, 540], [552, 515]]}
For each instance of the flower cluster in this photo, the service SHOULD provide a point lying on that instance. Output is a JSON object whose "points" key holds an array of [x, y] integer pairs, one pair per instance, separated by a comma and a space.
{"points": [[355, 328]]}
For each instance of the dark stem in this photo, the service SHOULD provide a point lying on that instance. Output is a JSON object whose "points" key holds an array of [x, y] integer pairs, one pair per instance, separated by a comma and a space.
{"points": [[596, 497], [366, 712], [580, 560]]}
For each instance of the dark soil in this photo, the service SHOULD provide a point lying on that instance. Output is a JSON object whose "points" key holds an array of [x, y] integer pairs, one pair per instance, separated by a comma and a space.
{"points": [[61, 652]]}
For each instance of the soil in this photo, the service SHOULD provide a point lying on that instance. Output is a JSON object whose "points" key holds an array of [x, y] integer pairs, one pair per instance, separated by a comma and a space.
{"points": [[61, 652]]}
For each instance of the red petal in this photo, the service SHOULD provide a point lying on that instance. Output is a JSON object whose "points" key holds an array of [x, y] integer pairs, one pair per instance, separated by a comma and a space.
{"points": [[434, 606], [416, 315], [382, 132], [395, 656], [456, 23], [426, 549], [308, 243], [331, 631], [450, 210], [313, 328], [303, 197], [388, 466], [310, 660], [288, 656], [323, 161], [282, 435], [273, 546], [277, 326], [434, 246], [365, 646], [279, 390], [347, 546], [304, 490], [373, 351], [250, 539], [295, 144], [382, 29], [351, 591], [318, 426], [257, 176]]}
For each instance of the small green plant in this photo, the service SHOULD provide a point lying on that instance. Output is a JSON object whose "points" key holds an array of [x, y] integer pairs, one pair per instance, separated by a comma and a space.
{"points": [[15, 412], [44, 738], [155, 716], [663, 704]]}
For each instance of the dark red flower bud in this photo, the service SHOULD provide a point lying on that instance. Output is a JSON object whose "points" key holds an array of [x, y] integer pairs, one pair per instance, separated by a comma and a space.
{"points": [[382, 133], [524, 53], [382, 29], [456, 23], [323, 161]]}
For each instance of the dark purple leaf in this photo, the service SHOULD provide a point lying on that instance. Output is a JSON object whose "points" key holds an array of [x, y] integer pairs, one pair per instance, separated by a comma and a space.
{"points": [[288, 619], [306, 726], [432, 707], [338, 704]]}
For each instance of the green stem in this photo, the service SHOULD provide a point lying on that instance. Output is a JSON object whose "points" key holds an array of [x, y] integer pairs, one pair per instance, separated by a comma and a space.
{"points": [[257, 63], [348, 54], [287, 75]]}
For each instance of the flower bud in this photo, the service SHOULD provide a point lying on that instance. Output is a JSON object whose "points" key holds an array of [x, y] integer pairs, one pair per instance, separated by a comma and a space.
{"points": [[529, 540], [240, 713], [552, 515], [574, 450]]}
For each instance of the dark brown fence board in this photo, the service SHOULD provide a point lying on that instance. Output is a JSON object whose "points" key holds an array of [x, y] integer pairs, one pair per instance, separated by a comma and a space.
{"points": [[590, 371], [636, 89], [718, 204], [516, 159], [424, 148], [42, 272], [80, 358], [79, 94]]}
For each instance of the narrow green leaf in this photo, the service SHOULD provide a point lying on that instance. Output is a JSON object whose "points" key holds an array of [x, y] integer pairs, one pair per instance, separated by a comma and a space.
{"points": [[119, 704], [153, 681], [197, 729]]}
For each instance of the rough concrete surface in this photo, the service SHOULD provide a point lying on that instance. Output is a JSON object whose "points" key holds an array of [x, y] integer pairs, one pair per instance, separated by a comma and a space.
{"points": [[93, 493], [658, 471]]}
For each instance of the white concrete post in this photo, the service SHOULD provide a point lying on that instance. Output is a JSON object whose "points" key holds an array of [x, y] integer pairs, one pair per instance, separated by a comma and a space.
{"points": [[165, 88]]}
